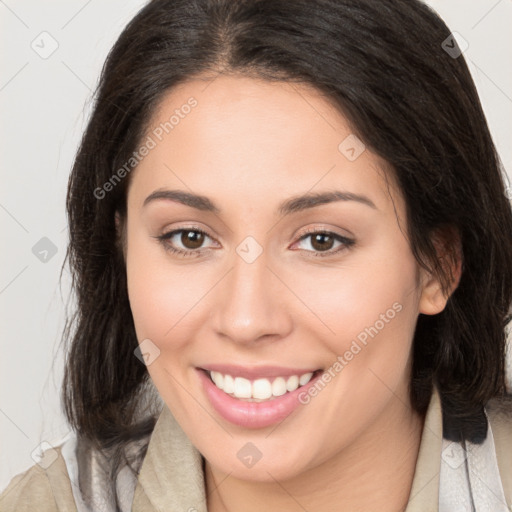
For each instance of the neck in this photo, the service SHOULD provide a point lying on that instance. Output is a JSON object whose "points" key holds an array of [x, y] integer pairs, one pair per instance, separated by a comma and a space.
{"points": [[374, 473]]}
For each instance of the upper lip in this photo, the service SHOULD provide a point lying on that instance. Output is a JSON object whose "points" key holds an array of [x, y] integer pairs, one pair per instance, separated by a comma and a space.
{"points": [[256, 372]]}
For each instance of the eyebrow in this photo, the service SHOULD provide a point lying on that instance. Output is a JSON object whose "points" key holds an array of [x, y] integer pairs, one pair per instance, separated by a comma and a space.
{"points": [[291, 205]]}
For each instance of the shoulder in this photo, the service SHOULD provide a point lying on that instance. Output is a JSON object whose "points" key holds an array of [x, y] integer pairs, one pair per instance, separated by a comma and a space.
{"points": [[499, 411], [44, 487]]}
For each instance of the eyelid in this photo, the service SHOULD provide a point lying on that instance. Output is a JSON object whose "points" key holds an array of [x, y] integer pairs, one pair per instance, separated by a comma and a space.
{"points": [[345, 241], [323, 229], [169, 233]]}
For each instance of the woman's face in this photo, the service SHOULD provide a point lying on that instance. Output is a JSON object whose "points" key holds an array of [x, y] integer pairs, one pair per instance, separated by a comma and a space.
{"points": [[259, 296]]}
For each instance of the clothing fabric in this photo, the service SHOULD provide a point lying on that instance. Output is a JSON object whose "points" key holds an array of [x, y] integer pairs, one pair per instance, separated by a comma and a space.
{"points": [[449, 477]]}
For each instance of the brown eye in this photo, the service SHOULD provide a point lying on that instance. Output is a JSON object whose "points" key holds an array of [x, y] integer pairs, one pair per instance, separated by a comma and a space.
{"points": [[322, 241], [185, 241], [192, 239]]}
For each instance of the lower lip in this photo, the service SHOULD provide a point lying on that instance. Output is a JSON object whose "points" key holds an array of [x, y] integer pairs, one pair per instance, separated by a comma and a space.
{"points": [[253, 414]]}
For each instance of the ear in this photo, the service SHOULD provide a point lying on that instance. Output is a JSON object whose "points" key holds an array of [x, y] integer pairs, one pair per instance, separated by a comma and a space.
{"points": [[448, 247]]}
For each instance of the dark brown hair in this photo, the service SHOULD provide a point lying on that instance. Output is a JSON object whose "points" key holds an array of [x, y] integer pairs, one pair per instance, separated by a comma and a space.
{"points": [[383, 65]]}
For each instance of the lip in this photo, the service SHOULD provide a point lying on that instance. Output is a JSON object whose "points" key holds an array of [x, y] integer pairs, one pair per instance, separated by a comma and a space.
{"points": [[252, 414], [256, 372]]}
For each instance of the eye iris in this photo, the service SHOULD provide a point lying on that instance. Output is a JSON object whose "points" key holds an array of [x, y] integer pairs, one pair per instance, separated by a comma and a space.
{"points": [[192, 239], [321, 237]]}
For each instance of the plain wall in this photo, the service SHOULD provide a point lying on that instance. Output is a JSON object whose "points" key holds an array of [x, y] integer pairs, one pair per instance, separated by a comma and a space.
{"points": [[44, 102]]}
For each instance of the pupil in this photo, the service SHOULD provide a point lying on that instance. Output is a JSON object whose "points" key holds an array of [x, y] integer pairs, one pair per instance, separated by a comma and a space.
{"points": [[192, 239], [321, 237]]}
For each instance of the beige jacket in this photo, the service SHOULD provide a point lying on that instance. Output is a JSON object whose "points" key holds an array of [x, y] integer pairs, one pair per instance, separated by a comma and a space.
{"points": [[171, 477]]}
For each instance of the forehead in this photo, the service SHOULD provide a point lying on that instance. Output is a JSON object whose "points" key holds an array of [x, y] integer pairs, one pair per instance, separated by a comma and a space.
{"points": [[250, 139]]}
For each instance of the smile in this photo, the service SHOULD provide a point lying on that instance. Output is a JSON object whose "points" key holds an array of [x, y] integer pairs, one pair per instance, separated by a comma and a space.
{"points": [[255, 402], [260, 389]]}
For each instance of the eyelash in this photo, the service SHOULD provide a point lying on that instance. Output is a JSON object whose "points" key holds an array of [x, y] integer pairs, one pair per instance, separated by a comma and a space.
{"points": [[346, 242]]}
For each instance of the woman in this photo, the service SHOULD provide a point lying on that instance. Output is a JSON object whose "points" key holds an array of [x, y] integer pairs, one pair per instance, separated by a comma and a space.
{"points": [[291, 248]]}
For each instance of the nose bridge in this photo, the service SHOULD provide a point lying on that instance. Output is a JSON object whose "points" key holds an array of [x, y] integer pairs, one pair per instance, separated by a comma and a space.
{"points": [[251, 304]]}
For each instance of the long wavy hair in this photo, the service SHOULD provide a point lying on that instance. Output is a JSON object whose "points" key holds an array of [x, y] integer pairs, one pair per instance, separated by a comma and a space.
{"points": [[384, 65]]}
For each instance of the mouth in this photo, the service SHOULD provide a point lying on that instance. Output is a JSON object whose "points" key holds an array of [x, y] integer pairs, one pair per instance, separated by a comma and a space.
{"points": [[253, 401], [262, 389]]}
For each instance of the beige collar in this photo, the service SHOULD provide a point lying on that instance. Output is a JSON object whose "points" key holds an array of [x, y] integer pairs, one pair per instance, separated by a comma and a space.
{"points": [[424, 495]]}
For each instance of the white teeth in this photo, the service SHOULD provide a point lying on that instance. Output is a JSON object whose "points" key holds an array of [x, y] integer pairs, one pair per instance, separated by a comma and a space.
{"points": [[304, 379], [260, 389], [229, 384], [279, 386], [292, 383], [218, 378], [243, 388]]}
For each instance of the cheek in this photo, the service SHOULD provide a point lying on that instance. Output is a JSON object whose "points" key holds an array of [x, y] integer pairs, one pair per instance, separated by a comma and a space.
{"points": [[158, 293], [168, 300], [369, 310], [372, 309], [377, 288]]}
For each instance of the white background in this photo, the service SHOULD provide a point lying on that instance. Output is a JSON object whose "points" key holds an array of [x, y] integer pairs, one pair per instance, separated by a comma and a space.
{"points": [[44, 104]]}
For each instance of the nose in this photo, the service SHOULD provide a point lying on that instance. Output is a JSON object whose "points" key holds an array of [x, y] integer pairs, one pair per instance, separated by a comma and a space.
{"points": [[251, 303]]}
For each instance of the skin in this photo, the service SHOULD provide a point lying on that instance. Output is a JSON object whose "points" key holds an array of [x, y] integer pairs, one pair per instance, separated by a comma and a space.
{"points": [[248, 145]]}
